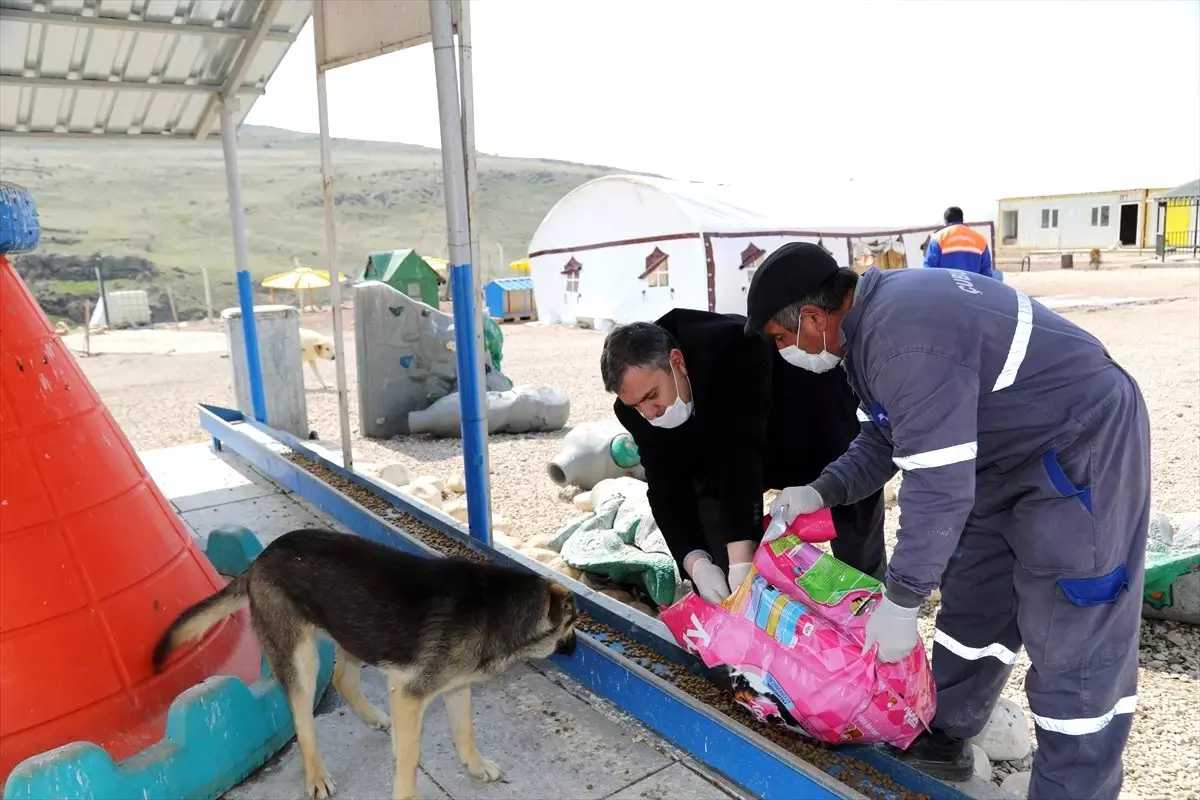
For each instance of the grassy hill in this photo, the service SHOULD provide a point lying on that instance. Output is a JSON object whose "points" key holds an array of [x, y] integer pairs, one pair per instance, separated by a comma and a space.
{"points": [[165, 202]]}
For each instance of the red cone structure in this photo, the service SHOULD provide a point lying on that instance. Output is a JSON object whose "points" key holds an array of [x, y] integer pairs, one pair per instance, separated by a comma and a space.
{"points": [[94, 563]]}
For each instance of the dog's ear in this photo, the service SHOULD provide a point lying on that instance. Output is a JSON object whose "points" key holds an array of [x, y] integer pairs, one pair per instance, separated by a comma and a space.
{"points": [[562, 605]]}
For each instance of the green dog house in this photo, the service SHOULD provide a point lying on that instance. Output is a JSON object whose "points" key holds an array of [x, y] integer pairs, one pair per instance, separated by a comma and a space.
{"points": [[405, 271]]}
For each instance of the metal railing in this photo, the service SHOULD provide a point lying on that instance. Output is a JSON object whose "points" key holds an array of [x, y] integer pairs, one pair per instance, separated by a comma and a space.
{"points": [[1171, 242]]}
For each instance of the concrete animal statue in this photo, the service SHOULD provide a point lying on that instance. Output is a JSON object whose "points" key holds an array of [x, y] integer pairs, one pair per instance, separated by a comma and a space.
{"points": [[521, 409], [315, 346], [434, 626]]}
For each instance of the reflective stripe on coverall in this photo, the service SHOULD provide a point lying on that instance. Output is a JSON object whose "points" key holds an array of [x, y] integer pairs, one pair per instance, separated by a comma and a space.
{"points": [[1025, 452]]}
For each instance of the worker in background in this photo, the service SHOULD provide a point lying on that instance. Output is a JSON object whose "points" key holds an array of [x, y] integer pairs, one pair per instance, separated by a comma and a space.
{"points": [[958, 246], [696, 395], [1026, 457]]}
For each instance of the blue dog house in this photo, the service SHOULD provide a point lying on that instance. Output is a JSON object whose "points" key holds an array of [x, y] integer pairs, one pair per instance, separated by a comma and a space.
{"points": [[510, 299]]}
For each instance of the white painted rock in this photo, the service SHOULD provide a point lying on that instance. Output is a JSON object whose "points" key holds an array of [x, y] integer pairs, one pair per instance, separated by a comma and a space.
{"points": [[620, 595], [983, 766], [539, 540], [457, 508], [558, 565], [1006, 735], [642, 607], [583, 501], [431, 480], [1017, 783], [424, 492], [506, 540], [500, 525], [539, 554], [593, 582], [457, 484], [395, 474]]}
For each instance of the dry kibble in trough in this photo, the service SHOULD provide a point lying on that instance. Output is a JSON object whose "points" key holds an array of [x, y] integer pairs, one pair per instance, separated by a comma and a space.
{"points": [[850, 771], [583, 501], [558, 565]]}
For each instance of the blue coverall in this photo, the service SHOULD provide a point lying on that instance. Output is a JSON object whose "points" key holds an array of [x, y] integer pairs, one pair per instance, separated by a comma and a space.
{"points": [[960, 247], [1026, 495]]}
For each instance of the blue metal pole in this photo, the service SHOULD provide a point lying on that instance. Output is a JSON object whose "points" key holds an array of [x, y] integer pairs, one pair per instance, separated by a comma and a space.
{"points": [[241, 255], [471, 396], [258, 400]]}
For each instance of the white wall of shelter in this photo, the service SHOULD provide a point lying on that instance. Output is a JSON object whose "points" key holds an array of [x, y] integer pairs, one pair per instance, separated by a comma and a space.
{"points": [[623, 248], [1096, 219]]}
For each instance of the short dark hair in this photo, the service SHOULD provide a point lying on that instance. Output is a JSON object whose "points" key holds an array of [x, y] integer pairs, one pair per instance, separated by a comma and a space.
{"points": [[638, 344], [953, 215], [829, 296]]}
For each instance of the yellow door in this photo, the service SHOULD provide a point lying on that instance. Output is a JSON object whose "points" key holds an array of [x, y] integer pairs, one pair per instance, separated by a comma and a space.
{"points": [[1177, 224]]}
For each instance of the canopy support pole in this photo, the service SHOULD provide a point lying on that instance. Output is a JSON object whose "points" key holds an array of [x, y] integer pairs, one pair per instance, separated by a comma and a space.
{"points": [[241, 256], [331, 248], [467, 104], [467, 336]]}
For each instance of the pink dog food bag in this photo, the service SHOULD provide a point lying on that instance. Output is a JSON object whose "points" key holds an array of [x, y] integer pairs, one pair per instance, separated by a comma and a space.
{"points": [[815, 527], [796, 658], [836, 591]]}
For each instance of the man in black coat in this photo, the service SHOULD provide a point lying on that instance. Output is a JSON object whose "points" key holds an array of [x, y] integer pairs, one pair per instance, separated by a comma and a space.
{"points": [[718, 418]]}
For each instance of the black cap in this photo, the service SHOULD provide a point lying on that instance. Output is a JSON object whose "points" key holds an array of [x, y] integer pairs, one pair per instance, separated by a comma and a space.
{"points": [[789, 273]]}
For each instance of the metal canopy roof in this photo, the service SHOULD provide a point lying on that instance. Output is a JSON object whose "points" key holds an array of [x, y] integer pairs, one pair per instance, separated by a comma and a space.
{"points": [[124, 68], [1190, 189]]}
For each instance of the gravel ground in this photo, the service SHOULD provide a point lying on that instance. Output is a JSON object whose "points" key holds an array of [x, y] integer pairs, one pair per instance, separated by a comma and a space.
{"points": [[153, 399]]}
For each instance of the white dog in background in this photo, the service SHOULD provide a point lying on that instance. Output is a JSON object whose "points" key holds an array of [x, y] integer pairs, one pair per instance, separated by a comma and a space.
{"points": [[314, 346]]}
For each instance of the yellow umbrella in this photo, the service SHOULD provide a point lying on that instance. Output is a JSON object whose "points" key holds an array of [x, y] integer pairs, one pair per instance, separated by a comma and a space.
{"points": [[298, 279]]}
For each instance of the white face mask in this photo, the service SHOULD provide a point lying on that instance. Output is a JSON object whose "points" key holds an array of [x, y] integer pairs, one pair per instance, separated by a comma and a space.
{"points": [[677, 413], [821, 362]]}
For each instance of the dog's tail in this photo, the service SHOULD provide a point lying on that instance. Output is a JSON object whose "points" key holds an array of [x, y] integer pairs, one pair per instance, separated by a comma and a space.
{"points": [[193, 623]]}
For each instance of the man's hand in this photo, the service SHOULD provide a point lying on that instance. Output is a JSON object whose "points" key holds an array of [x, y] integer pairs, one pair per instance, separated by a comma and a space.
{"points": [[708, 578], [894, 628], [737, 574], [794, 501]]}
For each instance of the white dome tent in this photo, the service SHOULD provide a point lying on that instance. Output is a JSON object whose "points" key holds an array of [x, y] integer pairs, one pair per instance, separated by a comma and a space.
{"points": [[622, 248]]}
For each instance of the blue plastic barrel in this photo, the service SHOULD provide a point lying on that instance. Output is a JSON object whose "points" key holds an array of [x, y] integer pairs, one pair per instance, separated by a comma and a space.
{"points": [[19, 227]]}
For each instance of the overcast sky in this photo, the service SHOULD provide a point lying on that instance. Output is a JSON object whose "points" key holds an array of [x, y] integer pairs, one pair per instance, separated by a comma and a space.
{"points": [[891, 110]]}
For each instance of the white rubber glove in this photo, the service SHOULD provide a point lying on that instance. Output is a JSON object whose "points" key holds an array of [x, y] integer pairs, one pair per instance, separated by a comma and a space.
{"points": [[737, 574], [709, 580], [794, 501], [894, 629]]}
